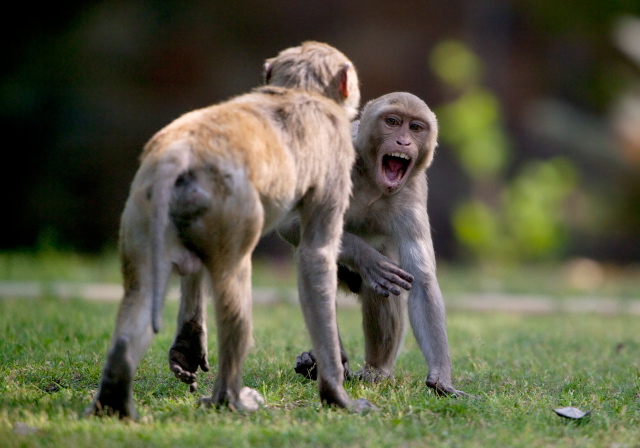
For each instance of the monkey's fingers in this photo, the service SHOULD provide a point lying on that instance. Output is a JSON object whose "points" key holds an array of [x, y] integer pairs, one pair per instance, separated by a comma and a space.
{"points": [[396, 270], [383, 288], [389, 280], [395, 280]]}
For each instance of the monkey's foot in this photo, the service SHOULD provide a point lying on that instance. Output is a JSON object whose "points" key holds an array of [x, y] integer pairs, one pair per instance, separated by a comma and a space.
{"points": [[337, 396], [249, 400], [189, 352], [372, 374], [115, 396], [307, 367], [125, 410], [361, 406], [443, 389]]}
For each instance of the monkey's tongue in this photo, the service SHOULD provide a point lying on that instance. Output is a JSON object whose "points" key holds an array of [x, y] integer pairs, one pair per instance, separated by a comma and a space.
{"points": [[393, 168]]}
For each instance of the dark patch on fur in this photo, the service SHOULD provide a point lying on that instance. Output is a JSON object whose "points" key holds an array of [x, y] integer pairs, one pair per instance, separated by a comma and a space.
{"points": [[352, 280], [221, 182], [188, 201]]}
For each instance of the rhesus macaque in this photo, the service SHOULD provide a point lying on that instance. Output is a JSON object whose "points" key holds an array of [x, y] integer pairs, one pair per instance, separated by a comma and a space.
{"points": [[386, 244], [210, 184]]}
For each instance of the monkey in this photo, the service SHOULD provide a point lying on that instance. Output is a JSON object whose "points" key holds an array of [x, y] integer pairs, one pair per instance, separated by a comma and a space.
{"points": [[209, 185], [387, 246]]}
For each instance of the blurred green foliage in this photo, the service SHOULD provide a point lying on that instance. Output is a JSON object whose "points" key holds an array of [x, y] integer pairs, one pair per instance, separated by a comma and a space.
{"points": [[527, 222]]}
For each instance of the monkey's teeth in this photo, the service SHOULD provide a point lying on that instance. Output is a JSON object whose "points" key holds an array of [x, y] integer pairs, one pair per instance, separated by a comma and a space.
{"points": [[400, 155]]}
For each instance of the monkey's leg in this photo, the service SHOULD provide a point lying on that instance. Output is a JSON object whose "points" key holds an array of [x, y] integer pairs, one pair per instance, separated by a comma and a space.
{"points": [[232, 296], [131, 338], [189, 349], [383, 323], [317, 289]]}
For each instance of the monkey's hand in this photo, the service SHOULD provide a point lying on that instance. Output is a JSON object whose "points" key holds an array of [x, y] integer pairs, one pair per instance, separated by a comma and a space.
{"points": [[307, 367], [187, 353], [381, 273], [444, 390]]}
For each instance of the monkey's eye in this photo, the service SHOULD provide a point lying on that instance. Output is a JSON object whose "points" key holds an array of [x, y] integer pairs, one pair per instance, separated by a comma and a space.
{"points": [[392, 121], [417, 127]]}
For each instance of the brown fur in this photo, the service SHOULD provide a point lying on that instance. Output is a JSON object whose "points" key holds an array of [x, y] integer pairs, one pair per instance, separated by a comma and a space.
{"points": [[210, 184]]}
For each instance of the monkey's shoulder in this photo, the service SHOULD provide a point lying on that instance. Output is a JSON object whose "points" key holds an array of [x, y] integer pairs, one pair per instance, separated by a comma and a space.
{"points": [[294, 102]]}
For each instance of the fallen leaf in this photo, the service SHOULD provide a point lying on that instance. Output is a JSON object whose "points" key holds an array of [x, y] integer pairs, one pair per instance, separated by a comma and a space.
{"points": [[570, 412], [23, 429]]}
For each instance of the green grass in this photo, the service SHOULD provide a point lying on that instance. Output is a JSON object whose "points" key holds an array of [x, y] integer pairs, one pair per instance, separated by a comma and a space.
{"points": [[562, 280], [51, 266], [519, 367]]}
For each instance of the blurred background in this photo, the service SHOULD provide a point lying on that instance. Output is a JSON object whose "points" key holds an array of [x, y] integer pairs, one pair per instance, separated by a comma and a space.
{"points": [[538, 103]]}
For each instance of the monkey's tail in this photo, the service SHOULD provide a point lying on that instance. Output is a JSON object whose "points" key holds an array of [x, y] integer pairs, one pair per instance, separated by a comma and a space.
{"points": [[168, 170]]}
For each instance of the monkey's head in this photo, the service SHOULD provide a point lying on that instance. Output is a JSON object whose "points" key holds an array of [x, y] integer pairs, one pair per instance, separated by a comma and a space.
{"points": [[396, 139], [316, 67]]}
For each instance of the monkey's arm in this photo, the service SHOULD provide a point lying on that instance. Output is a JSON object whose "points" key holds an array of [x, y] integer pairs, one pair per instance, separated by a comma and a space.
{"points": [[382, 274]]}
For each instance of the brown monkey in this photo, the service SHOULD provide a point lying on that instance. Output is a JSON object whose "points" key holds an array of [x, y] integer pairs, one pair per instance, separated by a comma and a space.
{"points": [[209, 185], [387, 227]]}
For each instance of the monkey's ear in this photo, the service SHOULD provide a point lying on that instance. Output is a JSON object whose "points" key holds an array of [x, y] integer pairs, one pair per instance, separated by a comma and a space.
{"points": [[344, 80], [267, 72]]}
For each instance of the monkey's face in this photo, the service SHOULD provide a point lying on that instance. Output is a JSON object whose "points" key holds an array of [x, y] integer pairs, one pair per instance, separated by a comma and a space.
{"points": [[402, 147]]}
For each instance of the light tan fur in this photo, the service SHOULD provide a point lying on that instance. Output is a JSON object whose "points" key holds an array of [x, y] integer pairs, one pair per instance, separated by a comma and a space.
{"points": [[210, 184], [387, 246]]}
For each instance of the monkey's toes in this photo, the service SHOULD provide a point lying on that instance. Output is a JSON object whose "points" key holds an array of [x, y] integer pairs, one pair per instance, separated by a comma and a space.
{"points": [[361, 406], [444, 390], [306, 366], [124, 410], [184, 376], [249, 400], [185, 366], [372, 375]]}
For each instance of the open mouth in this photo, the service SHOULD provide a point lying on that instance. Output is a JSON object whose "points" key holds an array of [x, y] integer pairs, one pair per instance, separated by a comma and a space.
{"points": [[394, 167]]}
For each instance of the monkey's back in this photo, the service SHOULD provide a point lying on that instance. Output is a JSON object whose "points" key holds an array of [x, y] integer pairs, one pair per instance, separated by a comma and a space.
{"points": [[286, 143]]}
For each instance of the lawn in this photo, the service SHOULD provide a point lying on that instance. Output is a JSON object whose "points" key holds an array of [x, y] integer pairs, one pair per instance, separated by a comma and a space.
{"points": [[519, 367]]}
